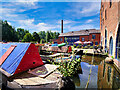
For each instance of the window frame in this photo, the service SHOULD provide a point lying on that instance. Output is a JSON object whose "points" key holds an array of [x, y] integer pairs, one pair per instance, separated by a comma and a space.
{"points": [[110, 3], [94, 36], [83, 39], [105, 14]]}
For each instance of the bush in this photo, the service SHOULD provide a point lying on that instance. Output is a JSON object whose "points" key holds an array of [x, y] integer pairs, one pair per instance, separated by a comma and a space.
{"points": [[86, 47], [74, 46], [77, 47], [91, 47]]}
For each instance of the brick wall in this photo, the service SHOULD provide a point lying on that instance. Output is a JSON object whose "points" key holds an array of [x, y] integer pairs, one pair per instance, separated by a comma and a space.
{"points": [[89, 38], [86, 38], [59, 40], [110, 24], [97, 38]]}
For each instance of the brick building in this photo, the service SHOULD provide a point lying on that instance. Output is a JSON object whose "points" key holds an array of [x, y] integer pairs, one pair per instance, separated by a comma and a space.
{"points": [[107, 77], [92, 35], [110, 27]]}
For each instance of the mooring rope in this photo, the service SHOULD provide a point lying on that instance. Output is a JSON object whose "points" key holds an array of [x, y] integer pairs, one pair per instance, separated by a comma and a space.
{"points": [[90, 71]]}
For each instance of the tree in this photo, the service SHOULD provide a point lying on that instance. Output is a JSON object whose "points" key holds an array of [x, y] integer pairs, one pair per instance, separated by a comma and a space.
{"points": [[21, 33], [36, 37], [47, 36], [27, 38], [8, 32]]}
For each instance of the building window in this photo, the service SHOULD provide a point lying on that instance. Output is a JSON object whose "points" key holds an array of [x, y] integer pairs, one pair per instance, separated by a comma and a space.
{"points": [[101, 25], [96, 43], [83, 39], [111, 46], [103, 7], [60, 39], [106, 41], [110, 3], [101, 15], [105, 14], [109, 73], [93, 36], [118, 44]]}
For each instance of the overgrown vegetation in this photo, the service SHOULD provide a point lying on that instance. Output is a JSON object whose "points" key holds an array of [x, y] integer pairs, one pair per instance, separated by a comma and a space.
{"points": [[69, 67]]}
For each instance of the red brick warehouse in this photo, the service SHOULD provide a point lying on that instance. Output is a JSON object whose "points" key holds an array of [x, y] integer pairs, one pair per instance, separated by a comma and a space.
{"points": [[110, 27], [92, 35]]}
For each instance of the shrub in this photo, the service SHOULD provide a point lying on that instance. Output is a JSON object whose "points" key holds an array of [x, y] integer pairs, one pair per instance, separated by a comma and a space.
{"points": [[74, 45], [85, 47], [88, 46], [77, 47], [112, 57], [91, 47]]}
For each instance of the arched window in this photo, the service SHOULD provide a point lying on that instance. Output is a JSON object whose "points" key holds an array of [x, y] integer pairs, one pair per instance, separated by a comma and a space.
{"points": [[105, 40], [111, 46], [118, 44]]}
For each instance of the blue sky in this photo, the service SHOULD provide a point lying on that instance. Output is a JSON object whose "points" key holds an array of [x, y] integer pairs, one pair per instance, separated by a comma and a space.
{"points": [[43, 16]]}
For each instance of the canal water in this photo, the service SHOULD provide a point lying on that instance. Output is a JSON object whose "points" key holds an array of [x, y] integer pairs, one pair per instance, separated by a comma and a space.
{"points": [[97, 74]]}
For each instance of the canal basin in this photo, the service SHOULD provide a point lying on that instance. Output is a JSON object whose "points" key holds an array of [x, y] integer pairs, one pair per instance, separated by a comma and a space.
{"points": [[102, 75]]}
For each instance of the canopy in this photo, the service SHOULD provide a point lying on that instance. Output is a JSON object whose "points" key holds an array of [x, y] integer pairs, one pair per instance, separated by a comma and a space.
{"points": [[87, 42], [78, 42]]}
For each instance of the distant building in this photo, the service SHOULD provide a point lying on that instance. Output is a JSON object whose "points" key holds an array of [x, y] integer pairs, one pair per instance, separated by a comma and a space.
{"points": [[110, 27], [92, 35]]}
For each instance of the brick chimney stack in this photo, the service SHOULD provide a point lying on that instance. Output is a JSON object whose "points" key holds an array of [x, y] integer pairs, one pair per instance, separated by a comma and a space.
{"points": [[61, 26]]}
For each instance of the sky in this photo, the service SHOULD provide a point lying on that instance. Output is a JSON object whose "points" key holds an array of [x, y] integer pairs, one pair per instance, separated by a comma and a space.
{"points": [[37, 16]]}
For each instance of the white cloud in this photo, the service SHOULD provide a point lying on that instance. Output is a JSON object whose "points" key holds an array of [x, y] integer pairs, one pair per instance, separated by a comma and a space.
{"points": [[89, 21], [68, 22], [9, 23], [29, 25], [7, 10], [83, 9], [57, 0], [92, 8], [78, 27], [29, 2]]}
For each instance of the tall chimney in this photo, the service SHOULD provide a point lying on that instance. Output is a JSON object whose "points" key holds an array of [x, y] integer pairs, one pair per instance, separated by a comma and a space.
{"points": [[61, 26]]}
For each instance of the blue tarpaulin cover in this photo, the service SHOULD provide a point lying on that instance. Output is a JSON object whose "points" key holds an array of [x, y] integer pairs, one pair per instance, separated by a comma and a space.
{"points": [[54, 45], [11, 63]]}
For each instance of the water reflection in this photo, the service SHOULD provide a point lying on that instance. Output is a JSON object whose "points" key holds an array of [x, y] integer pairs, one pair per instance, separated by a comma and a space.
{"points": [[102, 75], [108, 77]]}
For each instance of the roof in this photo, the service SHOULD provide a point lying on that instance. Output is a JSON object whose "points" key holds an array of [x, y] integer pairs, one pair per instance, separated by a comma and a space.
{"points": [[81, 32], [13, 60]]}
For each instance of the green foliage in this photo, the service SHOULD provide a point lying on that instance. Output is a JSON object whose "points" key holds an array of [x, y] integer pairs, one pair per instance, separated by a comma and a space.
{"points": [[21, 33], [74, 45], [77, 47], [86, 47], [36, 37], [27, 38], [112, 57], [10, 34], [47, 36], [68, 68], [91, 47], [106, 54]]}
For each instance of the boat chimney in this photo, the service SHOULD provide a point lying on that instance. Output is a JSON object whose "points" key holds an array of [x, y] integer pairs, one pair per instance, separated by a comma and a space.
{"points": [[61, 26]]}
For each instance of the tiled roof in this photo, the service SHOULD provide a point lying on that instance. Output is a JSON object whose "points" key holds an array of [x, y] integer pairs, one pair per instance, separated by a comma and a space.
{"points": [[81, 32]]}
